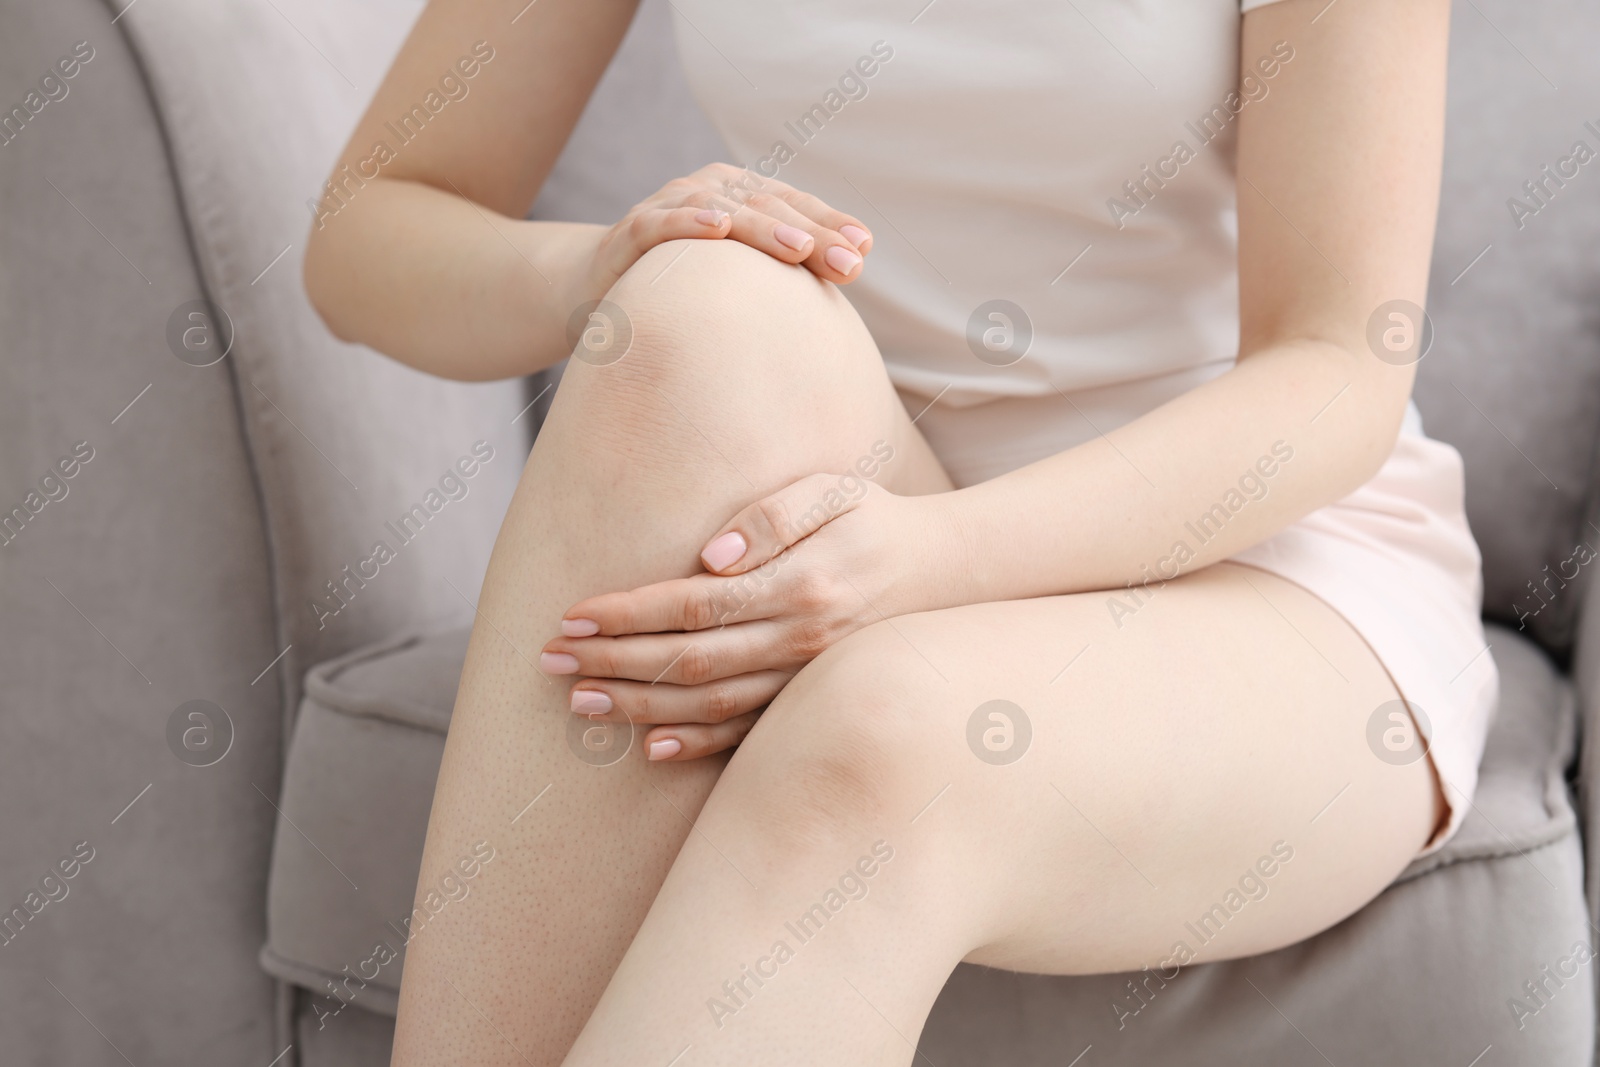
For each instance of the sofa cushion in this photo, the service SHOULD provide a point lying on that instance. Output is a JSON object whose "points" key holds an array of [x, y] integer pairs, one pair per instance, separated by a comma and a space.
{"points": [[1429, 965], [357, 789]]}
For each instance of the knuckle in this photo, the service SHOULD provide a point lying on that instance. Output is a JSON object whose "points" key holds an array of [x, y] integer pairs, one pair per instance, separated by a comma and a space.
{"points": [[637, 226], [721, 702], [696, 665], [775, 513], [812, 592], [606, 661], [741, 185], [765, 202], [810, 638], [739, 597], [702, 610]]}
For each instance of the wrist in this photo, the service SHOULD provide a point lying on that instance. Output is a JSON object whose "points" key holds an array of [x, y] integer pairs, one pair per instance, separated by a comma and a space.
{"points": [[936, 547], [563, 255]]}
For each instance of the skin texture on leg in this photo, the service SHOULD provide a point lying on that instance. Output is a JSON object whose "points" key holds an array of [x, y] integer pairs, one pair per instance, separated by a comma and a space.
{"points": [[1193, 784], [743, 375]]}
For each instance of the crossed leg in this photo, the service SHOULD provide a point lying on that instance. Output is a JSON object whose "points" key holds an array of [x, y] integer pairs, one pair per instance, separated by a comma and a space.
{"points": [[865, 825], [1196, 748], [743, 376]]}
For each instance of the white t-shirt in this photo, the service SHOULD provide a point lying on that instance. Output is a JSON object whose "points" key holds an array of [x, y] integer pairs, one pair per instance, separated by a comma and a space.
{"points": [[1074, 161]]}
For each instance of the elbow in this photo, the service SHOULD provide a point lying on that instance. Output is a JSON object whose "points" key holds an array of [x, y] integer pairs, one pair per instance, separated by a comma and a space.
{"points": [[319, 278], [1382, 395], [1359, 403], [1372, 449]]}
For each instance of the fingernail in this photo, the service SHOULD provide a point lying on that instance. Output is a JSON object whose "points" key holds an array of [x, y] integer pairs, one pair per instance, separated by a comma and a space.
{"points": [[590, 702], [842, 259], [579, 627], [711, 217], [854, 234], [797, 239], [665, 748], [724, 550], [558, 662]]}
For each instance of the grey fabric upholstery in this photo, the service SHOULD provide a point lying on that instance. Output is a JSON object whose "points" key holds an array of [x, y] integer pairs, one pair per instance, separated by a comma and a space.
{"points": [[371, 732], [1586, 682], [144, 587], [343, 440], [1514, 378]]}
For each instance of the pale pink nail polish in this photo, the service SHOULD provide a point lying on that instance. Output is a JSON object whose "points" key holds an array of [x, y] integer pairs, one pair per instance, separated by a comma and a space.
{"points": [[579, 627], [666, 748], [842, 259], [854, 234], [558, 663], [795, 238], [590, 702], [724, 551], [710, 217]]}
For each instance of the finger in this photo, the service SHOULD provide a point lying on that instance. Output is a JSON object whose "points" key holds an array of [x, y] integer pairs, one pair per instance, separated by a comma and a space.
{"points": [[678, 659], [822, 219], [774, 523], [681, 605], [708, 219], [823, 214], [612, 700], [770, 223], [738, 185], [693, 740]]}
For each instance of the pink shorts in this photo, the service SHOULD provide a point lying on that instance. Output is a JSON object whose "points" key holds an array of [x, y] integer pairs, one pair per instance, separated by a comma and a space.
{"points": [[1395, 557], [1397, 560]]}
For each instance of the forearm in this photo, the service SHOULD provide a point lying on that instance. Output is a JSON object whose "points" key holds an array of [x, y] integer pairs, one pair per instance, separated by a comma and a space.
{"points": [[1194, 481], [447, 286]]}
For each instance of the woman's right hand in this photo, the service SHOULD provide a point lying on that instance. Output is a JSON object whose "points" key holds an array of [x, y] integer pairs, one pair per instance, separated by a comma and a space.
{"points": [[724, 202]]}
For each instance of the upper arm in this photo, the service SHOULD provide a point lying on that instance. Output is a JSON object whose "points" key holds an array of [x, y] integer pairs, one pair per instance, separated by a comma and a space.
{"points": [[1338, 171], [498, 132]]}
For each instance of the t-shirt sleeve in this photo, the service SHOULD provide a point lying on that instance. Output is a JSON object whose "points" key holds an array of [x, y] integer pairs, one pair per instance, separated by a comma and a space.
{"points": [[1251, 5]]}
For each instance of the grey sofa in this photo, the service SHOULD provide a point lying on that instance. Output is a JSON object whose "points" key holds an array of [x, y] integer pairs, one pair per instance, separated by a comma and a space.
{"points": [[238, 780]]}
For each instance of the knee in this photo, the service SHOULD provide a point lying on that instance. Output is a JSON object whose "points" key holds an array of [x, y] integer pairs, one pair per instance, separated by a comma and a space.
{"points": [[846, 749], [693, 307], [713, 282]]}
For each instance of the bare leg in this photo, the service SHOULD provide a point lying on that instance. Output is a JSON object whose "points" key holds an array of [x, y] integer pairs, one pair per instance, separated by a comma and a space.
{"points": [[743, 376], [858, 846]]}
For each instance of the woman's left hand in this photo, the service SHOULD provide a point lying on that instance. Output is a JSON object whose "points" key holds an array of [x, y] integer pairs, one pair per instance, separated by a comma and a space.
{"points": [[790, 575]]}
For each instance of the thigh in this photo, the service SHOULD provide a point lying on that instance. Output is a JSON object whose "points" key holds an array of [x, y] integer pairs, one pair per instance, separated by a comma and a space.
{"points": [[1106, 781]]}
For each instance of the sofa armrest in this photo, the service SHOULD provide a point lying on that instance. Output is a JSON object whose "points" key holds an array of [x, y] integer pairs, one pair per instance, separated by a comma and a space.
{"points": [[1586, 680], [352, 453]]}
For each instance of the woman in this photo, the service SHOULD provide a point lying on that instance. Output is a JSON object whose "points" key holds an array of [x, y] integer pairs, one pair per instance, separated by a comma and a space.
{"points": [[1086, 561]]}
